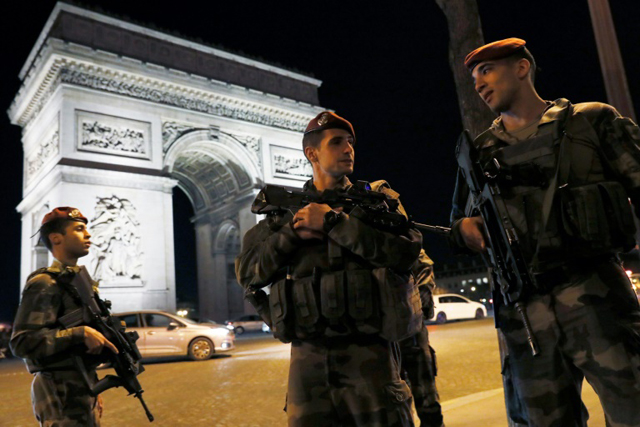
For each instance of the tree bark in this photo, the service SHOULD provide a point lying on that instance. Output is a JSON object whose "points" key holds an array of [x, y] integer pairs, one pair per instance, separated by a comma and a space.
{"points": [[465, 35]]}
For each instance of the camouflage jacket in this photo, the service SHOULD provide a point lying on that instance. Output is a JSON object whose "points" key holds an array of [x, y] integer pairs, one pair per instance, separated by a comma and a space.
{"points": [[422, 271], [272, 245], [37, 336], [614, 139]]}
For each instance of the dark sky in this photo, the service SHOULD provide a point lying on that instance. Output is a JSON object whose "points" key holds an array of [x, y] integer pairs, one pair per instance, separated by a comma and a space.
{"points": [[383, 68]]}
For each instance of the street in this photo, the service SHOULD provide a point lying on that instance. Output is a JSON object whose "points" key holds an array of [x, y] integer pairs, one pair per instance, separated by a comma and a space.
{"points": [[247, 386]]}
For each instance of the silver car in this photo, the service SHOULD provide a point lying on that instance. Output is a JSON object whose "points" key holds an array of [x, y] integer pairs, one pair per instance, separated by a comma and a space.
{"points": [[166, 334]]}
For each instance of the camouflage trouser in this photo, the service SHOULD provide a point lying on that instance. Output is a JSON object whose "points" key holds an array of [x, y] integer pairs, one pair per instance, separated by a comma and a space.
{"points": [[586, 328], [61, 399], [347, 382], [419, 364]]}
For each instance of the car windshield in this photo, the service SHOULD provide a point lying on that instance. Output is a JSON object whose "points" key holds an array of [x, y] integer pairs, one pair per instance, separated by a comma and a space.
{"points": [[189, 321]]}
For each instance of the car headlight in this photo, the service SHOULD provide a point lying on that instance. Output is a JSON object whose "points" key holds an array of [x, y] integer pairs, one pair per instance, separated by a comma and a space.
{"points": [[230, 327]]}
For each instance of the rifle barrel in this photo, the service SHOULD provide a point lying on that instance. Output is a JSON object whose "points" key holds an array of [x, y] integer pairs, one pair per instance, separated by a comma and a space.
{"points": [[437, 229]]}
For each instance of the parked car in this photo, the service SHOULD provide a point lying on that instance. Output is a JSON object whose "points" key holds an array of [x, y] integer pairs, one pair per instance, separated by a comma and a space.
{"points": [[247, 323], [166, 334], [455, 307]]}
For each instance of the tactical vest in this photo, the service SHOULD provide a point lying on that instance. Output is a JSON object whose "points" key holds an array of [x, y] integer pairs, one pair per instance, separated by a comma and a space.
{"points": [[345, 299], [70, 301], [557, 196]]}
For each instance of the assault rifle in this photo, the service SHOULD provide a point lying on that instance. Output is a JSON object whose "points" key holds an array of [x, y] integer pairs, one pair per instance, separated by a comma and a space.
{"points": [[372, 207], [506, 261], [95, 313]]}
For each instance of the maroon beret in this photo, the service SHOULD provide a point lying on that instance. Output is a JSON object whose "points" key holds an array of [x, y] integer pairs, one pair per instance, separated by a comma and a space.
{"points": [[64, 212], [329, 120], [496, 50]]}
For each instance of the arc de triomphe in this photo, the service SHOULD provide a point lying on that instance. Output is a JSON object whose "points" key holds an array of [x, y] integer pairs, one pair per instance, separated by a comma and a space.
{"points": [[114, 115]]}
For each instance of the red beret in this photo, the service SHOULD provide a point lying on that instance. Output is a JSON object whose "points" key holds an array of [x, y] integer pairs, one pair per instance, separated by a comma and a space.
{"points": [[64, 212], [496, 50], [329, 120]]}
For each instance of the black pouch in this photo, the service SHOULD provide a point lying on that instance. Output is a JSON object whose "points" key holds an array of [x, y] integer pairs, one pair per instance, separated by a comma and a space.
{"points": [[304, 302], [362, 301], [279, 306], [332, 295], [399, 303], [597, 218]]}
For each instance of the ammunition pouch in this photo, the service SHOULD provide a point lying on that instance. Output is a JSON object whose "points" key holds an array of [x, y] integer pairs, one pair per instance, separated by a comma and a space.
{"points": [[597, 218], [400, 304], [260, 301], [280, 306], [362, 301]]}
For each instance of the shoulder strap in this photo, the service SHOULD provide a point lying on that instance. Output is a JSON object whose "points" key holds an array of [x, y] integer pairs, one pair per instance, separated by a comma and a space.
{"points": [[560, 178]]}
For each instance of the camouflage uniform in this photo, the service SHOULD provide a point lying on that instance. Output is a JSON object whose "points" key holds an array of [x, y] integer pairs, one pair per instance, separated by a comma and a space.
{"points": [[584, 314], [340, 373], [59, 395], [418, 357]]}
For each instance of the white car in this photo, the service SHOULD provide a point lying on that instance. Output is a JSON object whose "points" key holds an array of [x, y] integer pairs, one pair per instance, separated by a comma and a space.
{"points": [[455, 307], [166, 334]]}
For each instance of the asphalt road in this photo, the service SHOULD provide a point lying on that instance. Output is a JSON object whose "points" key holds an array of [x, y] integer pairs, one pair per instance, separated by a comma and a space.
{"points": [[247, 386]]}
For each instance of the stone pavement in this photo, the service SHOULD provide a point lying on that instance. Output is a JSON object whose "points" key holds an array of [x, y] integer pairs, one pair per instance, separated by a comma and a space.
{"points": [[486, 409]]}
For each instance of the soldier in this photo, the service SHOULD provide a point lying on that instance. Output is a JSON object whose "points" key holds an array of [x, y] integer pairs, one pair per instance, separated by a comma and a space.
{"points": [[418, 357], [334, 283], [59, 394], [565, 172]]}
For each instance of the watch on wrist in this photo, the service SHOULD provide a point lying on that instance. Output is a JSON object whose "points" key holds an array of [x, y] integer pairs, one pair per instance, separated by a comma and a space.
{"points": [[330, 220]]}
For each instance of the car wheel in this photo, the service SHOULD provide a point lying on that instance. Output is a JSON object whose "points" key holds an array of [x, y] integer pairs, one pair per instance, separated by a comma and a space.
{"points": [[201, 349], [441, 318], [479, 313], [239, 330]]}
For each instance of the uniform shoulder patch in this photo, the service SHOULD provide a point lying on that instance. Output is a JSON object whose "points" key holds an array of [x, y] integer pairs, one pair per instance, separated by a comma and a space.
{"points": [[383, 186]]}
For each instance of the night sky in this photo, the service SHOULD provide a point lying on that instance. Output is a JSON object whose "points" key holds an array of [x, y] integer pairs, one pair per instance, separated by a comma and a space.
{"points": [[384, 69]]}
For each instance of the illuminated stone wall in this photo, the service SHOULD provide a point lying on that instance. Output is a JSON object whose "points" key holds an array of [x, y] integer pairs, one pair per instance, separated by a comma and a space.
{"points": [[111, 134]]}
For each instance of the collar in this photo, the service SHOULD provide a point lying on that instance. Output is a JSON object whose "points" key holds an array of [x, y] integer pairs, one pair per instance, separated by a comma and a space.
{"points": [[58, 267], [310, 187], [555, 111]]}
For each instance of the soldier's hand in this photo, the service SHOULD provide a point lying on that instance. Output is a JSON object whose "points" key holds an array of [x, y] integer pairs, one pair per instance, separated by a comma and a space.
{"points": [[99, 405], [471, 231], [95, 341], [310, 218]]}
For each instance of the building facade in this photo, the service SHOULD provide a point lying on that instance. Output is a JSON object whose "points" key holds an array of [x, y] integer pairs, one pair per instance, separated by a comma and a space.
{"points": [[115, 115]]}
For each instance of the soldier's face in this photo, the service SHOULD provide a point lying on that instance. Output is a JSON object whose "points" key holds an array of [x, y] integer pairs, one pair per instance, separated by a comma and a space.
{"points": [[497, 83], [335, 155], [76, 240]]}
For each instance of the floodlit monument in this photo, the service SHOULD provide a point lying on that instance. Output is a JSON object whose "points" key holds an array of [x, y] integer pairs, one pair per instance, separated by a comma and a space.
{"points": [[115, 115]]}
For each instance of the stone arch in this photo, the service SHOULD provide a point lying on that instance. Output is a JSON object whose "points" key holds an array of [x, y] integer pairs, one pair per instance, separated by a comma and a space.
{"points": [[219, 176]]}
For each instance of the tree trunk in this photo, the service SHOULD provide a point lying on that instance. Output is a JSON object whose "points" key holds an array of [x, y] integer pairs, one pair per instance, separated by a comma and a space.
{"points": [[465, 34]]}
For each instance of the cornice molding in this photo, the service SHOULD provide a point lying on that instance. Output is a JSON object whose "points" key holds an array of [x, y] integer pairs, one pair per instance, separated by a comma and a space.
{"points": [[90, 76]]}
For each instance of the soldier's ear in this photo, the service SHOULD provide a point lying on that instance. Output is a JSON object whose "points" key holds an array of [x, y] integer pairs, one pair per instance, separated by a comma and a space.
{"points": [[311, 154], [55, 238]]}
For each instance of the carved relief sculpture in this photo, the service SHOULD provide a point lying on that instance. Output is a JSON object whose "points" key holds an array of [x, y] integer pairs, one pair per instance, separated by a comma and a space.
{"points": [[290, 163], [115, 234], [113, 135], [47, 149]]}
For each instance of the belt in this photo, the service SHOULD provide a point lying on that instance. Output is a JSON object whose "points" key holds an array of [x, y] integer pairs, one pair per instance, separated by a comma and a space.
{"points": [[345, 340], [549, 279]]}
